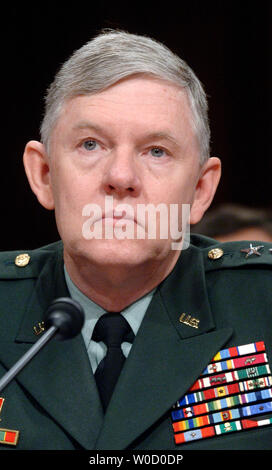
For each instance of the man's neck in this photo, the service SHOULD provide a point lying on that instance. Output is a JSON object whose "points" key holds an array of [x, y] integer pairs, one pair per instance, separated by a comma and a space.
{"points": [[116, 287]]}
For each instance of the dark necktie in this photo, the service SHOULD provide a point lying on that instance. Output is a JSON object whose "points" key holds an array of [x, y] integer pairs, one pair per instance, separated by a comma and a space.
{"points": [[113, 330]]}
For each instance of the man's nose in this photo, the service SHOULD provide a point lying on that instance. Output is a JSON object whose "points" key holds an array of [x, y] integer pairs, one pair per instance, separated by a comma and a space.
{"points": [[122, 175]]}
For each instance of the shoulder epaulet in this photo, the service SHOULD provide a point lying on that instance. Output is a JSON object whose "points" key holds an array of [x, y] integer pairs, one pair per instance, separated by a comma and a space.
{"points": [[23, 264], [237, 254]]}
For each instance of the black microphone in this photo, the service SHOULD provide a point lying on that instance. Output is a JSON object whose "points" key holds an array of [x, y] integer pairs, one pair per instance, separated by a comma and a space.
{"points": [[64, 319]]}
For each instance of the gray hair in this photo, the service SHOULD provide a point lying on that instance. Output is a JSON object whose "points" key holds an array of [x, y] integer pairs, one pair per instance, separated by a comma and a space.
{"points": [[114, 55]]}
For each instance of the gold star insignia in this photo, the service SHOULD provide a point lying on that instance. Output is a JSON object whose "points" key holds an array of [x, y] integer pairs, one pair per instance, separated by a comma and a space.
{"points": [[252, 250]]}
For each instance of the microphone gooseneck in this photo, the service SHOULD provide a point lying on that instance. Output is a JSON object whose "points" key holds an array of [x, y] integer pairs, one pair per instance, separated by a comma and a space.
{"points": [[64, 319]]}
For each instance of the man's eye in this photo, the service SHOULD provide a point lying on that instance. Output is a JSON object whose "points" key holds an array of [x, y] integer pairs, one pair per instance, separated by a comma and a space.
{"points": [[157, 152], [90, 145]]}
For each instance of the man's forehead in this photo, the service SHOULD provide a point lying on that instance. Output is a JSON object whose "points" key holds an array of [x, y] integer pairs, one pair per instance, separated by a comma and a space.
{"points": [[146, 108], [164, 104], [136, 91]]}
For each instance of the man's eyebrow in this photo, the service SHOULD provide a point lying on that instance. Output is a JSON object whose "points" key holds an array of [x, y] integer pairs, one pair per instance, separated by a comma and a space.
{"points": [[164, 136], [87, 125]]}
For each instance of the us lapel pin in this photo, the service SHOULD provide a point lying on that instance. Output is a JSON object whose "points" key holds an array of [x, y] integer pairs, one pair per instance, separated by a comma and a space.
{"points": [[189, 320]]}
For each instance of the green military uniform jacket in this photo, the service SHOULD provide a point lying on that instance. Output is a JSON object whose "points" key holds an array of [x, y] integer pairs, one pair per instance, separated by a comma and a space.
{"points": [[227, 301]]}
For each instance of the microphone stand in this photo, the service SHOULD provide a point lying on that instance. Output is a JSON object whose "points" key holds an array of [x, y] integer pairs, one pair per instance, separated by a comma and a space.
{"points": [[23, 361], [65, 318]]}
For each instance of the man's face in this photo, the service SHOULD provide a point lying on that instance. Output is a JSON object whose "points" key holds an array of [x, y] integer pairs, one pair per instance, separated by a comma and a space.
{"points": [[133, 142]]}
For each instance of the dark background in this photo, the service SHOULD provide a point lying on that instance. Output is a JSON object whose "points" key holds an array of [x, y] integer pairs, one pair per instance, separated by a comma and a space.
{"points": [[228, 44]]}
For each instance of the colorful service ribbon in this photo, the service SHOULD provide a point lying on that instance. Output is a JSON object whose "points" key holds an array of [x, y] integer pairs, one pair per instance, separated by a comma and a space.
{"points": [[220, 429], [8, 436], [216, 405], [226, 402]]}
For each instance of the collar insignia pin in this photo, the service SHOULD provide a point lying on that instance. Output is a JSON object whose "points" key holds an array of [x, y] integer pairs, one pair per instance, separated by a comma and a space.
{"points": [[252, 250], [39, 328], [189, 320]]}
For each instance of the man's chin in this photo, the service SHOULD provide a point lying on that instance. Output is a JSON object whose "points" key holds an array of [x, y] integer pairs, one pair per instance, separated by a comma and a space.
{"points": [[120, 252]]}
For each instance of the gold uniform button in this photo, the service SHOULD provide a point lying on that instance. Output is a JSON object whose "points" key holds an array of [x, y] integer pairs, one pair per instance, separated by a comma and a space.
{"points": [[22, 260], [215, 253]]}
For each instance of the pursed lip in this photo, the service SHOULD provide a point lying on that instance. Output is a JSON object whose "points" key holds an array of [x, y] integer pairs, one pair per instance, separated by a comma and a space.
{"points": [[117, 215]]}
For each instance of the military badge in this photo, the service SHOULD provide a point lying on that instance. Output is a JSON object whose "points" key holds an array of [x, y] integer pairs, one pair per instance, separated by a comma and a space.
{"points": [[233, 393], [8, 436]]}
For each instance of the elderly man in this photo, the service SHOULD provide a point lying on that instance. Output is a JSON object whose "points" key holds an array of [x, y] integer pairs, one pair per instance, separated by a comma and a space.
{"points": [[175, 348]]}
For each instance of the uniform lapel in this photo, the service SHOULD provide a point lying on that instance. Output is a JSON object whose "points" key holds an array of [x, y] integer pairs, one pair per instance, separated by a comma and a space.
{"points": [[55, 377], [167, 355]]}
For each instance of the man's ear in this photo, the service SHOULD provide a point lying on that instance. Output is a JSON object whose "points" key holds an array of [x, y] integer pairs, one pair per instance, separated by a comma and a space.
{"points": [[205, 189], [37, 169]]}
